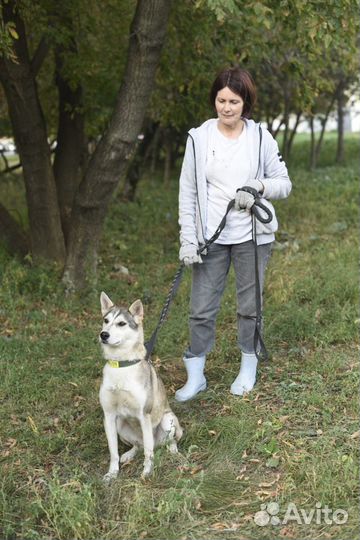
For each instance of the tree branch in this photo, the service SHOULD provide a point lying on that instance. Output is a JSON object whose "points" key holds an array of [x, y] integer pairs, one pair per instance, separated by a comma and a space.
{"points": [[10, 169], [39, 55]]}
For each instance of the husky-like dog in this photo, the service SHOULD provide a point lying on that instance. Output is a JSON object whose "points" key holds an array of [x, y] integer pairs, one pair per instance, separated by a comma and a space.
{"points": [[132, 395]]}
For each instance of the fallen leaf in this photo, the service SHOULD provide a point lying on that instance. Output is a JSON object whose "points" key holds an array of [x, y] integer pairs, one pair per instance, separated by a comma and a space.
{"points": [[196, 469], [32, 424], [269, 484], [225, 408], [220, 526], [288, 444], [265, 494], [242, 470], [77, 400], [287, 532], [10, 443]]}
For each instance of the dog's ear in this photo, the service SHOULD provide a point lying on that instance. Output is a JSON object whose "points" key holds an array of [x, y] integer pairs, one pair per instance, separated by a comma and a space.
{"points": [[105, 302], [137, 311]]}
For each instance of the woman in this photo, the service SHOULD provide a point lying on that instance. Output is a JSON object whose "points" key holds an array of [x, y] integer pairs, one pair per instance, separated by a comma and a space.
{"points": [[222, 156]]}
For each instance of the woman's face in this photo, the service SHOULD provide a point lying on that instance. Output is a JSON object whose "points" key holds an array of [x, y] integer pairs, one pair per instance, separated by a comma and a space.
{"points": [[229, 107]]}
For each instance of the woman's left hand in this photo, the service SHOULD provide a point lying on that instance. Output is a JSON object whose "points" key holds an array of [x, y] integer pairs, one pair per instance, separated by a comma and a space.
{"points": [[243, 200]]}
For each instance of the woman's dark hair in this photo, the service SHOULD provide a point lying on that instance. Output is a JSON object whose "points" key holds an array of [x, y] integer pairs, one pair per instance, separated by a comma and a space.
{"points": [[240, 82]]}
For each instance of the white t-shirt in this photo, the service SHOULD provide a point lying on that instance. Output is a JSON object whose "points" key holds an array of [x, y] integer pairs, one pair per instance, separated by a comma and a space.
{"points": [[227, 169]]}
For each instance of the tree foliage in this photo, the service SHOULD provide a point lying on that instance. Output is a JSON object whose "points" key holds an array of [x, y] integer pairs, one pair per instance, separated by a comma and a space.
{"points": [[67, 200], [296, 51]]}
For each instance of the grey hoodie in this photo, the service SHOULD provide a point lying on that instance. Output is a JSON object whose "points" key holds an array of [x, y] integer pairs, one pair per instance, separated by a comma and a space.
{"points": [[267, 166]]}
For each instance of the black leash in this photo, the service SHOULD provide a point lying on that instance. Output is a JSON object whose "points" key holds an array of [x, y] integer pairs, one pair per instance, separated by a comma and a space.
{"points": [[259, 346], [176, 282], [149, 345]]}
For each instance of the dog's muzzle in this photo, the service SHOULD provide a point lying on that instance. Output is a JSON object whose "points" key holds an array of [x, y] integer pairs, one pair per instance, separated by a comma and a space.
{"points": [[104, 336]]}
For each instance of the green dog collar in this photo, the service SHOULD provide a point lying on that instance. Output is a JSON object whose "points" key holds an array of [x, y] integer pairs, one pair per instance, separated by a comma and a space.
{"points": [[123, 363]]}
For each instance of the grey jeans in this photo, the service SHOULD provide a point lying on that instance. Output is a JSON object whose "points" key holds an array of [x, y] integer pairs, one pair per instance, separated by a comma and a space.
{"points": [[208, 284]]}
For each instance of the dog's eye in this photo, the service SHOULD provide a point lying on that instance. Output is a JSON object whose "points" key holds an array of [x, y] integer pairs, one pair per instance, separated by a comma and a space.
{"points": [[121, 323], [106, 321]]}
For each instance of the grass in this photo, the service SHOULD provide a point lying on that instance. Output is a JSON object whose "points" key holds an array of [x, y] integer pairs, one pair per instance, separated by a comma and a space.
{"points": [[294, 439]]}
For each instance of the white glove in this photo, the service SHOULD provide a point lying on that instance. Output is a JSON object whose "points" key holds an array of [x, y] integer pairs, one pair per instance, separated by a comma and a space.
{"points": [[189, 255], [243, 200]]}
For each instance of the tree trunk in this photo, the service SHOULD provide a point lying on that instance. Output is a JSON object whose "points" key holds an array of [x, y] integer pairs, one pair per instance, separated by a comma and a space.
{"points": [[12, 233], [70, 144], [132, 179], [138, 163], [112, 154], [276, 131], [340, 154], [269, 123], [293, 133], [312, 143], [29, 130], [168, 147], [155, 149], [323, 127]]}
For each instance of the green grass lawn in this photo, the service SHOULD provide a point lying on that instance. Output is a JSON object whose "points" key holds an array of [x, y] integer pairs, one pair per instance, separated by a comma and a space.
{"points": [[293, 441]]}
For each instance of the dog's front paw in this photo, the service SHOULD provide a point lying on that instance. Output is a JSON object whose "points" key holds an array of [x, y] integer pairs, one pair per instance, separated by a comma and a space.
{"points": [[173, 447], [109, 476], [128, 456], [148, 469]]}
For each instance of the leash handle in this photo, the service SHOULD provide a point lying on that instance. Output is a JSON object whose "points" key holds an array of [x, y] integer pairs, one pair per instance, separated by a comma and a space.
{"points": [[258, 204], [254, 209]]}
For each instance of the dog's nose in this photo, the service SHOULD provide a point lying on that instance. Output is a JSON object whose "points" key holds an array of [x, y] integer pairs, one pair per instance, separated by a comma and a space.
{"points": [[104, 336]]}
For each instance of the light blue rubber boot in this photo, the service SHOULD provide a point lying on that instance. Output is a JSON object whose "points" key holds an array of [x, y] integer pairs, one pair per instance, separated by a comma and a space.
{"points": [[196, 381], [246, 379]]}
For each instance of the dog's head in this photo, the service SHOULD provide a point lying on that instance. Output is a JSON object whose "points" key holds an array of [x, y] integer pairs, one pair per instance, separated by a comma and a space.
{"points": [[121, 327]]}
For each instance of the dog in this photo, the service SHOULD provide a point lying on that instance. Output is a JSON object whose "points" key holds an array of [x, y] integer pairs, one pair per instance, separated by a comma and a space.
{"points": [[132, 395]]}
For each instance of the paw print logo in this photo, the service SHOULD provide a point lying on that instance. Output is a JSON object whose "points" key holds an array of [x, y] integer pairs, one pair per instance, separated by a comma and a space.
{"points": [[267, 515]]}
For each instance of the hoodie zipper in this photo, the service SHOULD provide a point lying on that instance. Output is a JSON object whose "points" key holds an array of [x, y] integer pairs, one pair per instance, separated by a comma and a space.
{"points": [[259, 160], [197, 190]]}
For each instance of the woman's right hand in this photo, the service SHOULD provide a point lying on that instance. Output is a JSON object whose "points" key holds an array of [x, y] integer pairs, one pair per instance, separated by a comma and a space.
{"points": [[190, 255]]}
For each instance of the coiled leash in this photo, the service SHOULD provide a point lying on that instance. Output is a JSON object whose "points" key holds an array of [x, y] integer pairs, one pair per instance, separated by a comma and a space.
{"points": [[259, 345]]}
